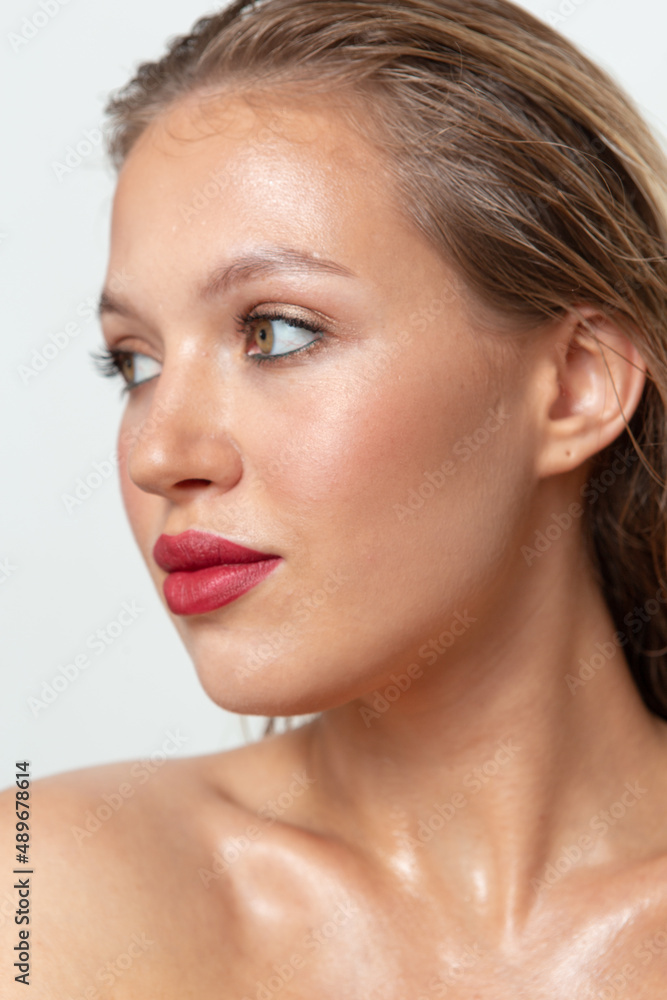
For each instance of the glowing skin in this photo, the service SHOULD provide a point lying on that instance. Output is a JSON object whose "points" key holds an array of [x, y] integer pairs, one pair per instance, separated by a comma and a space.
{"points": [[413, 853], [336, 437]]}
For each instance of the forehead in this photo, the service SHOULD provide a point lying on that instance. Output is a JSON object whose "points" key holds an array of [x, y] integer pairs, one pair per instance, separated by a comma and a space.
{"points": [[212, 185], [225, 175], [268, 161]]}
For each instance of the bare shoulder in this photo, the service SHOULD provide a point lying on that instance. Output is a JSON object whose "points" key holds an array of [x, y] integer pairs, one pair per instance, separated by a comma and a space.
{"points": [[78, 815], [97, 845], [141, 811], [132, 814], [120, 858]]}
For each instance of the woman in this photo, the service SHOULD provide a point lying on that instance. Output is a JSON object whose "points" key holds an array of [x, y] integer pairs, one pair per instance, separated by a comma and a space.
{"points": [[394, 453]]}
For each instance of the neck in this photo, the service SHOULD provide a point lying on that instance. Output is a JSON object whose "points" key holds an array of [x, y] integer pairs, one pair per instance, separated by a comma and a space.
{"points": [[523, 752]]}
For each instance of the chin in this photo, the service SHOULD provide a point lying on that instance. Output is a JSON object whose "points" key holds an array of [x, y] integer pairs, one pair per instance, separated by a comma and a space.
{"points": [[285, 686]]}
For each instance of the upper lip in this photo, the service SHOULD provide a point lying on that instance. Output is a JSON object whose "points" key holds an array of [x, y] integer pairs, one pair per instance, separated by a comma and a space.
{"points": [[192, 550]]}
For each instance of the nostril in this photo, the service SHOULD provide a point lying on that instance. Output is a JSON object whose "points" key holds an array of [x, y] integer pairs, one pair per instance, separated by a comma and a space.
{"points": [[191, 483]]}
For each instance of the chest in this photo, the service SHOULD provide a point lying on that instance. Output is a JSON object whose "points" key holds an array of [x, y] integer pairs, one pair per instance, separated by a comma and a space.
{"points": [[349, 948]]}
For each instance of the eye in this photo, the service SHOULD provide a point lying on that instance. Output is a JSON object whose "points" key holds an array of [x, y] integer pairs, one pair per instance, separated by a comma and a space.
{"points": [[138, 368], [278, 335], [133, 367]]}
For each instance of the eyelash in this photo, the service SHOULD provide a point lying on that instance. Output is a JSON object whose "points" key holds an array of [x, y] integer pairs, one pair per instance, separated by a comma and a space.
{"points": [[243, 319], [108, 361]]}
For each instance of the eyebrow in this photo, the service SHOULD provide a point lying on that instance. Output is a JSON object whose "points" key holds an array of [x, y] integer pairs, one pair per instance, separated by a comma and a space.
{"points": [[263, 262], [257, 264]]}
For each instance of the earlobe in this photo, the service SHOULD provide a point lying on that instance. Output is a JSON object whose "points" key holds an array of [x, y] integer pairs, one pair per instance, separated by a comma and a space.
{"points": [[596, 377]]}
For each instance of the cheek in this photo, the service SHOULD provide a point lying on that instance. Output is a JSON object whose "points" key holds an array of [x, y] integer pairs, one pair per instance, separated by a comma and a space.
{"points": [[345, 465], [394, 460]]}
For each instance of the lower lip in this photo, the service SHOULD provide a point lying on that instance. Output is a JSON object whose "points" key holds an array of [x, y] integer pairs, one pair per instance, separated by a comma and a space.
{"points": [[197, 591]]}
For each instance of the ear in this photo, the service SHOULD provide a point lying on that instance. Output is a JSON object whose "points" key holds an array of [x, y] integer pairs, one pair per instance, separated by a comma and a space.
{"points": [[592, 379]]}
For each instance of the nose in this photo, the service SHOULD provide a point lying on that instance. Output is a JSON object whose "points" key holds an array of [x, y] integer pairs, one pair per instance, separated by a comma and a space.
{"points": [[178, 440]]}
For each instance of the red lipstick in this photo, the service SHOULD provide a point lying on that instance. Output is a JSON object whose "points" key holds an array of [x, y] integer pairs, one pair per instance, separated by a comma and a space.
{"points": [[206, 571]]}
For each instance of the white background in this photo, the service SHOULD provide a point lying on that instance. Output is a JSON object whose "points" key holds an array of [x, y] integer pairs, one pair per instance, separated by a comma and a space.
{"points": [[71, 571]]}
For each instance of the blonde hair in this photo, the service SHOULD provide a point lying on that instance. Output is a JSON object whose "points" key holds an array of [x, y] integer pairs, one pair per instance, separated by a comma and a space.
{"points": [[527, 168]]}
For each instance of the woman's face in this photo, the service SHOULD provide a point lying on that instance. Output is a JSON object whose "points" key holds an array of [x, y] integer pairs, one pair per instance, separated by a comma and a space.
{"points": [[389, 465]]}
